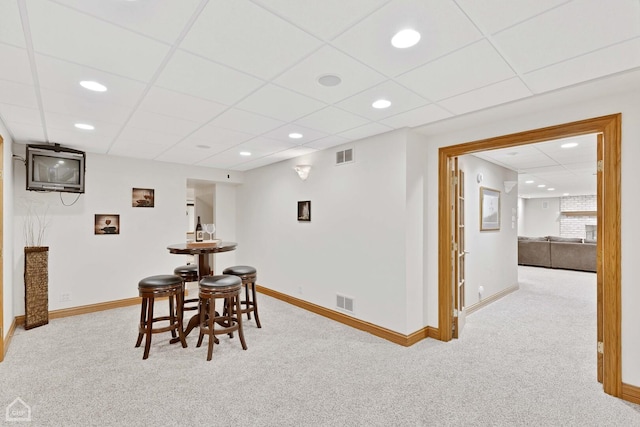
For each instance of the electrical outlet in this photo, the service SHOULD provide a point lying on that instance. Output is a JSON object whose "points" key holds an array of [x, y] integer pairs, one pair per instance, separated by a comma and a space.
{"points": [[65, 297], [300, 290]]}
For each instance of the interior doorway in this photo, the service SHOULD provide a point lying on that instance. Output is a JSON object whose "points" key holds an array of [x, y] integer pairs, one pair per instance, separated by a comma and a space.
{"points": [[608, 244]]}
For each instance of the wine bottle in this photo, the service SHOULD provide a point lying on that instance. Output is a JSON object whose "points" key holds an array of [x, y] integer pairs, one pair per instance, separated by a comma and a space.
{"points": [[199, 233]]}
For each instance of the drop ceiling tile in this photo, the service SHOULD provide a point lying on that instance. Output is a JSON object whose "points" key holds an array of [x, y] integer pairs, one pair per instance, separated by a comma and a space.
{"points": [[610, 60], [216, 135], [365, 131], [143, 136], [401, 100], [327, 142], [488, 96], [332, 120], [282, 134], [416, 117], [22, 115], [495, 15], [244, 121], [96, 141], [162, 123], [23, 133], [58, 31], [18, 94], [470, 68], [192, 75], [206, 147], [279, 103], [20, 69], [261, 146], [320, 18], [244, 36], [185, 155], [274, 158], [11, 24], [65, 122], [568, 31], [355, 76], [160, 19], [63, 76], [137, 149], [84, 108], [187, 107], [442, 25]]}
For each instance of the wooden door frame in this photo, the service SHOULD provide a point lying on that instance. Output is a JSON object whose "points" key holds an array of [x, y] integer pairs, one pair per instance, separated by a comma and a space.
{"points": [[609, 247], [2, 331]]}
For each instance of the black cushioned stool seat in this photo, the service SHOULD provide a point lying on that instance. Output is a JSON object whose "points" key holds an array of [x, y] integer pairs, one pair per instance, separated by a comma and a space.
{"points": [[227, 288], [189, 273], [150, 288], [248, 275]]}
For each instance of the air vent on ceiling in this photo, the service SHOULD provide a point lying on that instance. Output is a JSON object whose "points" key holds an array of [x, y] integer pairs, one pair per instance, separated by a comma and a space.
{"points": [[344, 303], [344, 156]]}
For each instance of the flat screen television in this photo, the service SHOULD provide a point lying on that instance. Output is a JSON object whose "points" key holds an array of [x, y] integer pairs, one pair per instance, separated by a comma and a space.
{"points": [[55, 168]]}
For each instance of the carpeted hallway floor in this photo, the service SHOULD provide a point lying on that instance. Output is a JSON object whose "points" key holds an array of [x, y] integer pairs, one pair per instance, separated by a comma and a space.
{"points": [[527, 359]]}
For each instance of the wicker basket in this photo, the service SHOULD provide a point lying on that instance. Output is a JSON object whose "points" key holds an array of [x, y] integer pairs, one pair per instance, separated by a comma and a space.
{"points": [[36, 286]]}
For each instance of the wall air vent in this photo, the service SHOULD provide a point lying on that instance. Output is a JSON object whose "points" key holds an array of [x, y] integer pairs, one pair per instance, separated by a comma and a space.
{"points": [[344, 156], [344, 303]]}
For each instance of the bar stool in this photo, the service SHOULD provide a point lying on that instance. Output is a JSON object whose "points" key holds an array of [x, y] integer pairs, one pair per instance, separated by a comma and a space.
{"points": [[153, 287], [188, 273], [248, 275], [227, 288]]}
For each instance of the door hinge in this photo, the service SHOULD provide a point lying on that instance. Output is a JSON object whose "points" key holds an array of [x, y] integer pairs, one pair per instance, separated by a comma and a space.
{"points": [[455, 312], [600, 165], [455, 180], [600, 347]]}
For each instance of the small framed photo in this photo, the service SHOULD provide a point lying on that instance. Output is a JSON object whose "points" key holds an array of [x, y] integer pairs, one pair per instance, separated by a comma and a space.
{"points": [[304, 211], [489, 209], [107, 224], [142, 197]]}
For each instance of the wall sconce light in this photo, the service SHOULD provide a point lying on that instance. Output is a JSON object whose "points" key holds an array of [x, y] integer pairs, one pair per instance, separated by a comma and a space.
{"points": [[508, 186], [303, 171]]}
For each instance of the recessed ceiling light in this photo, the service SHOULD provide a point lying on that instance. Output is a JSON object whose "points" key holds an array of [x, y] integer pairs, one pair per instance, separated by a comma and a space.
{"points": [[569, 145], [550, 189], [329, 80], [565, 194], [529, 182], [94, 86], [245, 153], [405, 38], [295, 135], [204, 147], [84, 126], [381, 103], [541, 186]]}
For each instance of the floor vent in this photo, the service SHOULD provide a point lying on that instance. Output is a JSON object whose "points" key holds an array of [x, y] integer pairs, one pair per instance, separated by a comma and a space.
{"points": [[344, 156], [344, 303]]}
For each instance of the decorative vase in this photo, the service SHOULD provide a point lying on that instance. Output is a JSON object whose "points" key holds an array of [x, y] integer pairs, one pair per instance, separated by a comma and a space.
{"points": [[36, 286]]}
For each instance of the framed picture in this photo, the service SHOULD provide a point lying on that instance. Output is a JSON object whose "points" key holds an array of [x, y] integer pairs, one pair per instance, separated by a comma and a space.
{"points": [[107, 224], [489, 209], [304, 211], [142, 198]]}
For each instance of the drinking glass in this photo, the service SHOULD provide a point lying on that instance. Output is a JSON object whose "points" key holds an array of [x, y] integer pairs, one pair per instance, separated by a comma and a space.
{"points": [[209, 229]]}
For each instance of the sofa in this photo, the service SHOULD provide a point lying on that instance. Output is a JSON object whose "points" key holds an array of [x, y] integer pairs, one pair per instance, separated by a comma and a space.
{"points": [[569, 253]]}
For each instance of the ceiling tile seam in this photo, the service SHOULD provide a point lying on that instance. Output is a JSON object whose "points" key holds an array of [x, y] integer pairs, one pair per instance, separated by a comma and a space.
{"points": [[475, 89], [437, 58], [115, 24], [172, 49], [581, 55], [262, 157], [358, 22], [285, 19], [26, 30], [515, 24]]}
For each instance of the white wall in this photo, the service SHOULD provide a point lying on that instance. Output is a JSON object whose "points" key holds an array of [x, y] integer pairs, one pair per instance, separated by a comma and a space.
{"points": [[355, 243], [97, 268], [539, 112], [492, 261], [7, 232], [541, 217]]}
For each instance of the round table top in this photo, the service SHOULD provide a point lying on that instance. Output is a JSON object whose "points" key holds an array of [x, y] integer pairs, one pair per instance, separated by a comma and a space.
{"points": [[183, 248]]}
